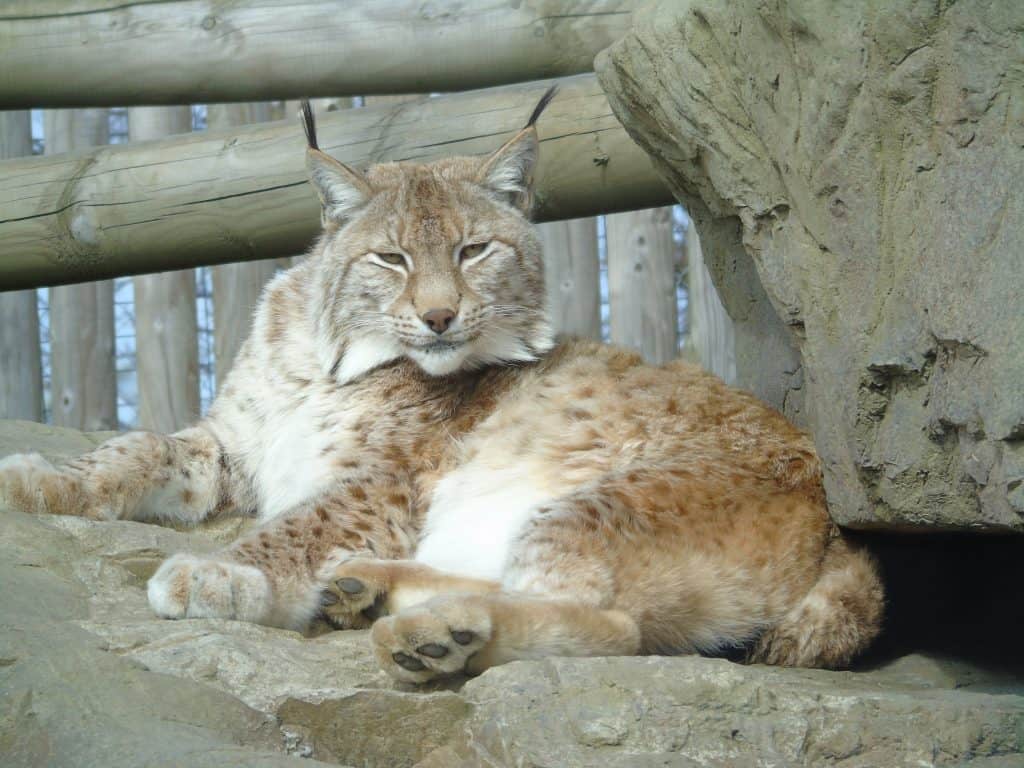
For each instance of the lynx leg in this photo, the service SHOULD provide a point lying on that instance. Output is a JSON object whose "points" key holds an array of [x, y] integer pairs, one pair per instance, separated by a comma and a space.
{"points": [[463, 633], [360, 590], [137, 476], [837, 619], [273, 575]]}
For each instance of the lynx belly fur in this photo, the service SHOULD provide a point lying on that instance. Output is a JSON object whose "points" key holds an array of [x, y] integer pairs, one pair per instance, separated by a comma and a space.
{"points": [[425, 458]]}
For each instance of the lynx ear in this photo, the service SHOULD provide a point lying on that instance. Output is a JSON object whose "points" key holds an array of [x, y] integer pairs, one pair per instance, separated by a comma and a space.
{"points": [[342, 190], [509, 171]]}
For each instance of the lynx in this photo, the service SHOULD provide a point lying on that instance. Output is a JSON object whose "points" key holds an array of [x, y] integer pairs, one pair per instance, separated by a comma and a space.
{"points": [[426, 460]]}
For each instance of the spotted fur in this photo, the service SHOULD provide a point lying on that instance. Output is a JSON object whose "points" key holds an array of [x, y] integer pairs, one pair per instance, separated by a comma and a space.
{"points": [[476, 493]]}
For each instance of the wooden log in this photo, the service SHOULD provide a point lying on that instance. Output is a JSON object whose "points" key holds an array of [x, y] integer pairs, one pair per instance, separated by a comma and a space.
{"points": [[573, 276], [166, 336], [21, 371], [236, 287], [642, 259], [711, 336], [217, 197], [74, 52], [83, 378], [15, 134]]}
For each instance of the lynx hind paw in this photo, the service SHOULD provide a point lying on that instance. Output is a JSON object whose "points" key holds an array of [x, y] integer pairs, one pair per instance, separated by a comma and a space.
{"points": [[435, 639], [29, 483], [355, 592], [189, 587]]}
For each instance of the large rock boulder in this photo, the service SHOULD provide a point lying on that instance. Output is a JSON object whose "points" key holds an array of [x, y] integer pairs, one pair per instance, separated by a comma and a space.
{"points": [[855, 171], [89, 677]]}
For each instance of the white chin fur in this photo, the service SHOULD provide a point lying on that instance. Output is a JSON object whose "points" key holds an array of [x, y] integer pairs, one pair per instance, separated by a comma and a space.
{"points": [[501, 346], [441, 363]]}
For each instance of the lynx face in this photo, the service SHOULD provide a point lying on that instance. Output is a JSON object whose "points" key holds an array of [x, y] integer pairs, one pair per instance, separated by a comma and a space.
{"points": [[434, 262]]}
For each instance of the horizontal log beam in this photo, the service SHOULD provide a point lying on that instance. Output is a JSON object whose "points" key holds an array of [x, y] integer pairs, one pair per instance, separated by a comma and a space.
{"points": [[71, 53], [240, 194]]}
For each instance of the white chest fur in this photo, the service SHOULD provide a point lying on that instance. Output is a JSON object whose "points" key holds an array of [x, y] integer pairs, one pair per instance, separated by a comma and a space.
{"points": [[298, 456], [475, 515]]}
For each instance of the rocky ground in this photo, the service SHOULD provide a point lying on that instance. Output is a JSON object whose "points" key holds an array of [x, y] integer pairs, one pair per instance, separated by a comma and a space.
{"points": [[88, 676]]}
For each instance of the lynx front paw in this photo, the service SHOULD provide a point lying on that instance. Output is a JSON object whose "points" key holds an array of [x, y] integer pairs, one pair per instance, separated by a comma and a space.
{"points": [[436, 639], [188, 587], [29, 483], [355, 592]]}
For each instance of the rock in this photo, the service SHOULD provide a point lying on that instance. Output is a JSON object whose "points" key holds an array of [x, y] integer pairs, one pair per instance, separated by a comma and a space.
{"points": [[707, 712], [854, 172], [67, 700], [89, 676], [377, 727], [54, 443]]}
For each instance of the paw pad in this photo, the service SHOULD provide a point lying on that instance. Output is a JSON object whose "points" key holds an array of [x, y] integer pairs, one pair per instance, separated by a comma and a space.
{"points": [[405, 661], [350, 586], [462, 637], [433, 650], [348, 602], [421, 643]]}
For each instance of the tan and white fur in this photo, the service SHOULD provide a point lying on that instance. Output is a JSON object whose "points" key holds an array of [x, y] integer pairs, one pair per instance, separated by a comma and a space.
{"points": [[426, 458]]}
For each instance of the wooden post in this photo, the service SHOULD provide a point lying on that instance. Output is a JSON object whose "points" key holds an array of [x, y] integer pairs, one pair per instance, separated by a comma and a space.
{"points": [[573, 276], [236, 287], [712, 336], [218, 197], [642, 282], [166, 340], [83, 379], [21, 371]]}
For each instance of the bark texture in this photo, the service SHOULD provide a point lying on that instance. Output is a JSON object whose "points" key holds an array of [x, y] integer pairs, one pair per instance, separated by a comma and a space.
{"points": [[237, 287], [854, 171], [642, 258], [711, 333], [166, 340], [572, 274], [219, 197], [64, 53], [83, 378], [21, 373]]}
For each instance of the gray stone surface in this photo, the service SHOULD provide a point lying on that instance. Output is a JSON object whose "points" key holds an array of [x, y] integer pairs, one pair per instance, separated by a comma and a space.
{"points": [[88, 677], [706, 712], [68, 699], [855, 171]]}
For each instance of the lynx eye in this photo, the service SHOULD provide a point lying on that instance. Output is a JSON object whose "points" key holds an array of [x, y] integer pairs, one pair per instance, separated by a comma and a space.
{"points": [[392, 258], [472, 251]]}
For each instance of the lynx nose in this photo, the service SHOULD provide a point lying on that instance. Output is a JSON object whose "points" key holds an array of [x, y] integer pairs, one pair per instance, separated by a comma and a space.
{"points": [[438, 320]]}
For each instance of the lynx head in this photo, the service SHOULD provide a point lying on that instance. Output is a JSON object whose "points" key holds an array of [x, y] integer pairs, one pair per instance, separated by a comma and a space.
{"points": [[436, 262]]}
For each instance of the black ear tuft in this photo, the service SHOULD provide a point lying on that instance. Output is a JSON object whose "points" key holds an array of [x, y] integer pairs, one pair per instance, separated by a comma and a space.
{"points": [[308, 123], [542, 105]]}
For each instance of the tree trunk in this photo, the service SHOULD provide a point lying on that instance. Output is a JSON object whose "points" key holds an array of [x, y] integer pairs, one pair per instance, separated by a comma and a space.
{"points": [[83, 379], [216, 197], [236, 287], [642, 259], [21, 372], [166, 336], [256, 50], [711, 330], [573, 275]]}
